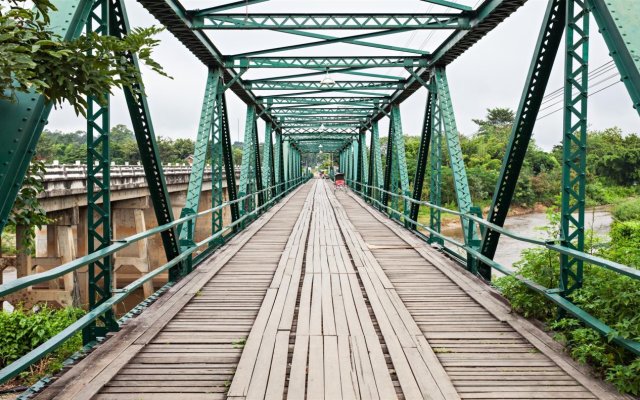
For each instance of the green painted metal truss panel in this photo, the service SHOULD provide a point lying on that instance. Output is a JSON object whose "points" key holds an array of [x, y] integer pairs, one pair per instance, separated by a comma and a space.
{"points": [[331, 21]]}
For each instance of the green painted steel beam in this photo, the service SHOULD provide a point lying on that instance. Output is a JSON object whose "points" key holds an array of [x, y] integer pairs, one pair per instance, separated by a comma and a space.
{"points": [[146, 139], [331, 21], [316, 85], [530, 101], [24, 118], [328, 91], [574, 144], [488, 15], [619, 23], [328, 130], [325, 63], [348, 71], [99, 234], [423, 152], [201, 149], [351, 111], [452, 139], [326, 100], [176, 19]]}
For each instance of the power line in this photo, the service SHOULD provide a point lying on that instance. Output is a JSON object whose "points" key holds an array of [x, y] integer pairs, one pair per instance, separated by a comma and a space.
{"points": [[589, 95]]}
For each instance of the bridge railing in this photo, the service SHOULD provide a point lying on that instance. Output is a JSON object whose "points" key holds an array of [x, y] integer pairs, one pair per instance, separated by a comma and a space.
{"points": [[118, 295], [474, 255]]}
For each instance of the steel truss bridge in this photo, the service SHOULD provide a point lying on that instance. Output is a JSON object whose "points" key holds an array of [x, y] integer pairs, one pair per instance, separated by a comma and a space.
{"points": [[307, 292]]}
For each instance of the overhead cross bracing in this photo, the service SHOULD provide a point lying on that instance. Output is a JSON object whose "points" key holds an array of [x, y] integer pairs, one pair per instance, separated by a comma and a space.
{"points": [[370, 70]]}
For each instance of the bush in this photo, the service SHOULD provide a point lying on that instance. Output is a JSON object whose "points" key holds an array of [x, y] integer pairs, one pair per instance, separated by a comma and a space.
{"points": [[627, 210], [22, 331], [608, 296]]}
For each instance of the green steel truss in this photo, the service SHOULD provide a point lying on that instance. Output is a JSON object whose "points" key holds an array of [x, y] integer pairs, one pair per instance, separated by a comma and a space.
{"points": [[333, 102], [326, 62], [317, 85], [331, 21], [574, 142], [425, 141], [145, 136], [99, 236], [250, 171], [530, 102]]}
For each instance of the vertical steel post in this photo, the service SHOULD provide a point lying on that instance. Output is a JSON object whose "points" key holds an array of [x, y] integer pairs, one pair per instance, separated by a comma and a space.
{"points": [[279, 162], [146, 139], [388, 171], [100, 273], [248, 168], [435, 176], [460, 181], [375, 169], [267, 162], [425, 141], [201, 149], [574, 142]]}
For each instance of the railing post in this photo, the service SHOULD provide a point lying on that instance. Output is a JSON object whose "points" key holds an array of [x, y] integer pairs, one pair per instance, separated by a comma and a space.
{"points": [[473, 241], [574, 142]]}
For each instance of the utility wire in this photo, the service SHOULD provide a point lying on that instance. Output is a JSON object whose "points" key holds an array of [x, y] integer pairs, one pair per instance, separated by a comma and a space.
{"points": [[589, 95]]}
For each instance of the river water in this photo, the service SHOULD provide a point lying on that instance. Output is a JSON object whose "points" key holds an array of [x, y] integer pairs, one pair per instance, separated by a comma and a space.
{"points": [[598, 219]]}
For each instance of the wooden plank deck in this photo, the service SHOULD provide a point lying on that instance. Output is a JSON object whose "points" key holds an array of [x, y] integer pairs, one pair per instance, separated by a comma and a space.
{"points": [[324, 298]]}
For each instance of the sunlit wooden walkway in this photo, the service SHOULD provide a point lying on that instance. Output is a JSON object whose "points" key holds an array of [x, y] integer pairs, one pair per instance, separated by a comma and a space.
{"points": [[325, 298]]}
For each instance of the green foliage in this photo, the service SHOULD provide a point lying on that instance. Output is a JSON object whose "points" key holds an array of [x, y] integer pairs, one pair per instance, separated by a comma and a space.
{"points": [[27, 210], [34, 58], [627, 210], [22, 331], [608, 296]]}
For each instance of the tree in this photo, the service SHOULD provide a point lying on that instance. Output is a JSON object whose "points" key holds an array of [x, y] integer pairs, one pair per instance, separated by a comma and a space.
{"points": [[497, 118], [34, 58]]}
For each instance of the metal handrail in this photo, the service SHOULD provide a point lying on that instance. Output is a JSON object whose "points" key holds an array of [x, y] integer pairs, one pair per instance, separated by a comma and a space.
{"points": [[553, 294], [34, 355]]}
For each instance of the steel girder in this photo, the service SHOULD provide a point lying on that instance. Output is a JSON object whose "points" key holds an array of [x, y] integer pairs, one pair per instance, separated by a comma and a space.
{"points": [[375, 178], [435, 173], [425, 141], [574, 142], [460, 181], [396, 176], [278, 161], [199, 158], [213, 133], [618, 22], [316, 85], [323, 100], [328, 130], [24, 118], [304, 112], [250, 171], [533, 93], [268, 173], [331, 21], [324, 63], [99, 233], [145, 136]]}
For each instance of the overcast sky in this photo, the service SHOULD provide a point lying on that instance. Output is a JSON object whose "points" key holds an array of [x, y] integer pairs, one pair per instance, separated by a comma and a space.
{"points": [[490, 74]]}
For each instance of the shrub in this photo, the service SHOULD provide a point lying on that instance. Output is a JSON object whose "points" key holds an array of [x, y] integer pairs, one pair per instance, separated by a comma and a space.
{"points": [[22, 331], [627, 210], [608, 296]]}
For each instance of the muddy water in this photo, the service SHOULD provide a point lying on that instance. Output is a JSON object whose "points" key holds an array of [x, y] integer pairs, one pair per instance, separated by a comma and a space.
{"points": [[598, 219]]}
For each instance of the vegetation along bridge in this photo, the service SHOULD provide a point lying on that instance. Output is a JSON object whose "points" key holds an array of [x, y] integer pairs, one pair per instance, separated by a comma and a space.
{"points": [[303, 290]]}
